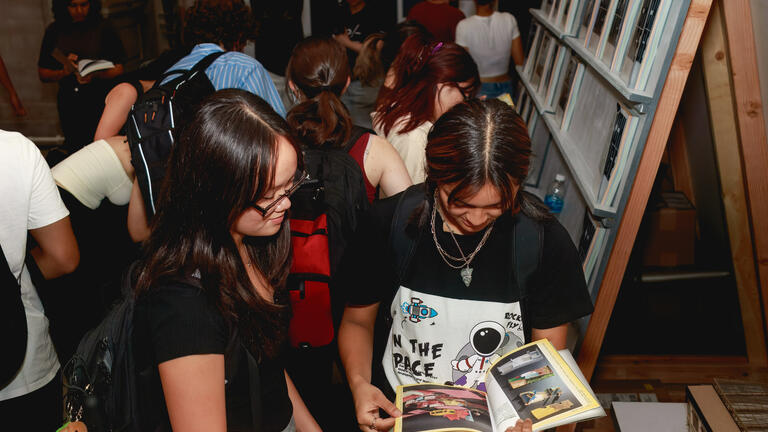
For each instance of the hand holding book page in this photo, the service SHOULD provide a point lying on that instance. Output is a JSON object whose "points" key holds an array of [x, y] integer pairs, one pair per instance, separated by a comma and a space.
{"points": [[534, 383]]}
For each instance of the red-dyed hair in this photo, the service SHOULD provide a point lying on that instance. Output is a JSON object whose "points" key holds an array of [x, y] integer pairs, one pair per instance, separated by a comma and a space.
{"points": [[418, 69]]}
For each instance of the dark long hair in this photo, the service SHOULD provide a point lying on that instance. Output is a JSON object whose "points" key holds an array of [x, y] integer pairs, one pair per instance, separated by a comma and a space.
{"points": [[418, 69], [223, 160], [62, 17], [319, 69], [479, 142]]}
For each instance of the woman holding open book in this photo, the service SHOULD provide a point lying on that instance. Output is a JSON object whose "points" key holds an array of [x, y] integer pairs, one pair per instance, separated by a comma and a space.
{"points": [[466, 266], [79, 33]]}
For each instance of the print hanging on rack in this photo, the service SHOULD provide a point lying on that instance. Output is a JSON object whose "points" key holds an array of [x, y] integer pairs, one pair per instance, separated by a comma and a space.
{"points": [[639, 43], [617, 24], [530, 55], [601, 14], [540, 139], [585, 28], [549, 68], [619, 149], [590, 244], [542, 55]]}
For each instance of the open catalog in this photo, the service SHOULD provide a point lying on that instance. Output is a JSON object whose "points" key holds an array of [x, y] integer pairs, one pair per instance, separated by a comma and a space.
{"points": [[532, 382]]}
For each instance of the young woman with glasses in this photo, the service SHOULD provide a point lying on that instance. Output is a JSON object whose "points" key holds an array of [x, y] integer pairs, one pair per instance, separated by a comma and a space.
{"points": [[453, 304], [210, 287], [425, 81]]}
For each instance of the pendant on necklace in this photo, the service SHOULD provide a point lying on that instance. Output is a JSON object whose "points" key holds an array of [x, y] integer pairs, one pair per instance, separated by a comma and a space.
{"points": [[466, 275]]}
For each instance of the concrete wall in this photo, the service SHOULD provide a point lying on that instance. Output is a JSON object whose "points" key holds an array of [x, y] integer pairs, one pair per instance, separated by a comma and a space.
{"points": [[21, 32]]}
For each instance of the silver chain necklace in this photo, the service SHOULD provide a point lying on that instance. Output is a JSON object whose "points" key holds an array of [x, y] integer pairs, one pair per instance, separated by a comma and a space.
{"points": [[464, 261]]}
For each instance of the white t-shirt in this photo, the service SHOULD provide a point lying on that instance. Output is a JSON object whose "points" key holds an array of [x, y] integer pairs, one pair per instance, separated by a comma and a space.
{"points": [[30, 200], [489, 41], [410, 145]]}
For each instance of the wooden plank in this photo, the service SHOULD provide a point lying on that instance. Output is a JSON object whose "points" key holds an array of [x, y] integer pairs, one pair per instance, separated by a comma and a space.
{"points": [[641, 189], [676, 369], [678, 160], [749, 110], [722, 116]]}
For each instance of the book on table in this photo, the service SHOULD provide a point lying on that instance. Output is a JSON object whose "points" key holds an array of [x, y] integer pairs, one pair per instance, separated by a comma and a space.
{"points": [[535, 382]]}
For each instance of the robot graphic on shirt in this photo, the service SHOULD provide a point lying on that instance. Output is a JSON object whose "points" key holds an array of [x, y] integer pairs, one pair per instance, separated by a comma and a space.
{"points": [[485, 339]]}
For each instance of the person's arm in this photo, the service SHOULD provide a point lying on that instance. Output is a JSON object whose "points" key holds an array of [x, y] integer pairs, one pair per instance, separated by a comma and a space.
{"points": [[356, 351], [56, 253], [117, 105], [193, 387], [304, 420], [346, 42], [517, 51], [137, 216], [388, 167], [5, 80], [556, 335]]}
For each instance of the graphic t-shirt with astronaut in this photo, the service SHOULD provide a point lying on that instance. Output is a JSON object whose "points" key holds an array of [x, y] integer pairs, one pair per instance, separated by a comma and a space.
{"points": [[441, 330], [446, 332]]}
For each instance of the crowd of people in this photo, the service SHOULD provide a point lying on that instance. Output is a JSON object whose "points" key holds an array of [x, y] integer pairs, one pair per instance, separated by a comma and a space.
{"points": [[442, 163]]}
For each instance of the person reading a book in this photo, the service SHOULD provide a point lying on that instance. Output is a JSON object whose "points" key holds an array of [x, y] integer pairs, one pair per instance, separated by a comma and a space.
{"points": [[465, 267], [210, 288], [78, 33]]}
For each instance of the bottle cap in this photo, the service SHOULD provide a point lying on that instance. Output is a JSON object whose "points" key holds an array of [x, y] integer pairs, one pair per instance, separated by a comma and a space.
{"points": [[559, 177]]}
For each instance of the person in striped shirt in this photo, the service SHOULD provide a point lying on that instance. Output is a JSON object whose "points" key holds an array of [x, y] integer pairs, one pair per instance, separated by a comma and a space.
{"points": [[226, 25]]}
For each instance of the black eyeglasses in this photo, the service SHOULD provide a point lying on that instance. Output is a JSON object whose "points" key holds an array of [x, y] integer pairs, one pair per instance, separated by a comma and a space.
{"points": [[299, 179]]}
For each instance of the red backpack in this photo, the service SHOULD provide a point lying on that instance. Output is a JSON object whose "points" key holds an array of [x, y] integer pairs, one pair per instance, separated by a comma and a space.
{"points": [[324, 214]]}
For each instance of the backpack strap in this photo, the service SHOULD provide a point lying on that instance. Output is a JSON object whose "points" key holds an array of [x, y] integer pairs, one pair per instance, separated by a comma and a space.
{"points": [[254, 381], [527, 238], [402, 244], [356, 133], [200, 65]]}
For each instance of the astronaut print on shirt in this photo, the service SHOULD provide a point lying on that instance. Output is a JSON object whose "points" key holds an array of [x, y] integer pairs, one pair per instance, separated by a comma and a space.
{"points": [[446, 340]]}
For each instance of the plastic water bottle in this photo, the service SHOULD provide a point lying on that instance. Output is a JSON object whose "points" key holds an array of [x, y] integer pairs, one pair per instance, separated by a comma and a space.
{"points": [[555, 194]]}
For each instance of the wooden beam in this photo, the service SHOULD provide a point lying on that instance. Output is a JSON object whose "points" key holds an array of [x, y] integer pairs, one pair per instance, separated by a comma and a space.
{"points": [[678, 160], [641, 189], [749, 111], [722, 117], [676, 369]]}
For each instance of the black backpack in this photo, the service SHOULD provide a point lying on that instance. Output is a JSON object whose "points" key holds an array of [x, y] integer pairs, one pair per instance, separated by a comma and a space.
{"points": [[101, 379], [13, 321], [324, 214], [155, 121]]}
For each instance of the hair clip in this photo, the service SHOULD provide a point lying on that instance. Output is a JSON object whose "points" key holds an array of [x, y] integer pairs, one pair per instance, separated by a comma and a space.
{"points": [[436, 48]]}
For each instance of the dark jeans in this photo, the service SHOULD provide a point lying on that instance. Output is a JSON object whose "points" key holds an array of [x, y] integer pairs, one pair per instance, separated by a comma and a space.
{"points": [[41, 410]]}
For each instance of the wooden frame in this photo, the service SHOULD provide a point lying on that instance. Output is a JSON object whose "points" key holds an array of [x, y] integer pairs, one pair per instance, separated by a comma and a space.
{"points": [[646, 172], [749, 111]]}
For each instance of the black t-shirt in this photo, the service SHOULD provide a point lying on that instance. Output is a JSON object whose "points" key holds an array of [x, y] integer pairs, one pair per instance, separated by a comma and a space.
{"points": [[176, 320], [443, 331], [358, 26]]}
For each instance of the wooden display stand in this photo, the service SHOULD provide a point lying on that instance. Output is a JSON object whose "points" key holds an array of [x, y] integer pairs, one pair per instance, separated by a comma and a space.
{"points": [[623, 120]]}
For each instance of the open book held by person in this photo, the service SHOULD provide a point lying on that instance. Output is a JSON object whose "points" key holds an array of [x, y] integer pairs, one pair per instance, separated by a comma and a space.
{"points": [[532, 382], [87, 66]]}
